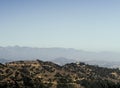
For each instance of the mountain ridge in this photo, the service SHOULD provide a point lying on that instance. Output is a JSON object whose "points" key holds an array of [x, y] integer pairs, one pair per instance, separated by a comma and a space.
{"points": [[46, 74], [22, 53]]}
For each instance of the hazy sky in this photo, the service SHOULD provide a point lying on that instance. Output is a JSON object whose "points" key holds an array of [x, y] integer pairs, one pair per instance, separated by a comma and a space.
{"points": [[92, 25]]}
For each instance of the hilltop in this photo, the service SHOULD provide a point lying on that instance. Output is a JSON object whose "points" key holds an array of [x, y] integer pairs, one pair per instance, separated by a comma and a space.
{"points": [[40, 74]]}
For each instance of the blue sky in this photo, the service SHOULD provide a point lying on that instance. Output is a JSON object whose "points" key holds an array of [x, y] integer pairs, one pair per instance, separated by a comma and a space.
{"points": [[92, 25]]}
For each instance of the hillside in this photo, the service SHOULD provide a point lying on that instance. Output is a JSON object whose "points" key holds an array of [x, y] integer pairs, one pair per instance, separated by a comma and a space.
{"points": [[39, 74]]}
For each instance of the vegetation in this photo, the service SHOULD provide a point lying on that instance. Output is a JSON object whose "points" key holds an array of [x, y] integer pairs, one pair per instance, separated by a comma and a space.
{"points": [[39, 74]]}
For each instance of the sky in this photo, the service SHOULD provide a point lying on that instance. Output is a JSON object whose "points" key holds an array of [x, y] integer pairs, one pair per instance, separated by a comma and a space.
{"points": [[92, 25]]}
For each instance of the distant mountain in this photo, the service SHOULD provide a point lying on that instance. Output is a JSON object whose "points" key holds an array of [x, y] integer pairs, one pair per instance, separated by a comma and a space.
{"points": [[22, 53], [39, 74], [54, 54]]}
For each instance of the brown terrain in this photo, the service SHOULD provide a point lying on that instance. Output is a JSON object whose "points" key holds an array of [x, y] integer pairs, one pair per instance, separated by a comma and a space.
{"points": [[39, 74]]}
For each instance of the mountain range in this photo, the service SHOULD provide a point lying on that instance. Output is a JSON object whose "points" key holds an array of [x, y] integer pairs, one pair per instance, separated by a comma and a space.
{"points": [[59, 55]]}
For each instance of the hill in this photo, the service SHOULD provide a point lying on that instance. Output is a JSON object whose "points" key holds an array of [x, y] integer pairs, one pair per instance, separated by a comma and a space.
{"points": [[40, 74]]}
